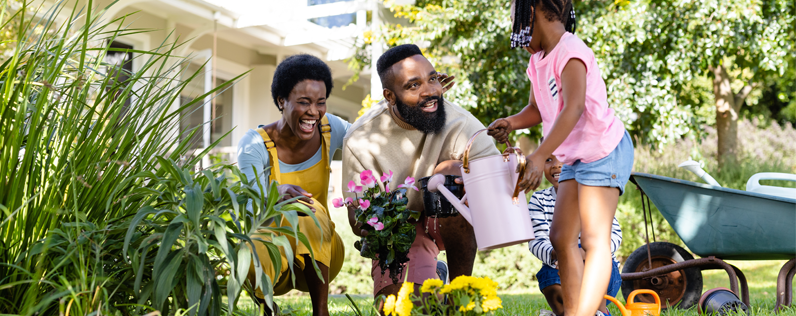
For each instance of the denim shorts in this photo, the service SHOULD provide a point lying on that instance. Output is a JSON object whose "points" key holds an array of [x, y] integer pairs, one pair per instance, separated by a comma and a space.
{"points": [[548, 276], [611, 171]]}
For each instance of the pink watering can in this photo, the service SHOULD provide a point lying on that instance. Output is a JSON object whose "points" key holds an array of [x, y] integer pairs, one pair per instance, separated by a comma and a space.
{"points": [[498, 210]]}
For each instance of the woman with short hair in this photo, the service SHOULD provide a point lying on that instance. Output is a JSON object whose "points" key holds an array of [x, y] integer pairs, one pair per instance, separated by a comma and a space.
{"points": [[295, 151]]}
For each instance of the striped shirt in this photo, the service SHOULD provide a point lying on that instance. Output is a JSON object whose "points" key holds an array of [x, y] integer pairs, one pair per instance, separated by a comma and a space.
{"points": [[540, 207]]}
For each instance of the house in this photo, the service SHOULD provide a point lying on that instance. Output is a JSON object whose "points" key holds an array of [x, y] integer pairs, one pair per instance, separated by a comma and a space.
{"points": [[236, 36]]}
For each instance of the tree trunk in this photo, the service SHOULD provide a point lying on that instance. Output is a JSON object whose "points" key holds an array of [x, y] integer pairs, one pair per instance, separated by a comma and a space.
{"points": [[726, 116], [728, 104]]}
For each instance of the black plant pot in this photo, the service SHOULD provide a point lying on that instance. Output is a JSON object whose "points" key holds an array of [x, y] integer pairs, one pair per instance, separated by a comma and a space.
{"points": [[721, 301], [436, 205]]}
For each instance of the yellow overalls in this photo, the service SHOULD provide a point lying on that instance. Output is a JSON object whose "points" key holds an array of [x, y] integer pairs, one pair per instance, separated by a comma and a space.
{"points": [[326, 244]]}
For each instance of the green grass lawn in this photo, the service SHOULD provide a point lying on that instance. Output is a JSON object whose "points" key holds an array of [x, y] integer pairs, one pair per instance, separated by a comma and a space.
{"points": [[760, 274]]}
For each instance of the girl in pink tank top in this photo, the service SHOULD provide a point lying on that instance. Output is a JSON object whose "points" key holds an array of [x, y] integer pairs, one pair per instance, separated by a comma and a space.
{"points": [[568, 97]]}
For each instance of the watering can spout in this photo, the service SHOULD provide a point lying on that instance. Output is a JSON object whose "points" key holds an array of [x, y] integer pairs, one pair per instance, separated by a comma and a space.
{"points": [[437, 184], [694, 167], [622, 308]]}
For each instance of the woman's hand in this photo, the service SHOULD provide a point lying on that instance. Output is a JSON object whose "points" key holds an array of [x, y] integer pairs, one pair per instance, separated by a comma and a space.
{"points": [[500, 129], [534, 172], [289, 191], [446, 81]]}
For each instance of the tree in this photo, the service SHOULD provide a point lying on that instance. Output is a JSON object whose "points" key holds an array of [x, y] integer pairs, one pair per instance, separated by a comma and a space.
{"points": [[654, 55], [470, 39], [737, 43]]}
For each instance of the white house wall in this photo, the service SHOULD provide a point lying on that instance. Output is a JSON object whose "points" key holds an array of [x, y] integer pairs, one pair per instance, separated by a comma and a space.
{"points": [[238, 51]]}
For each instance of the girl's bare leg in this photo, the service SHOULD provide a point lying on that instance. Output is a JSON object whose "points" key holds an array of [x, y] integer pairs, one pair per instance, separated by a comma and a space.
{"points": [[597, 209], [564, 237]]}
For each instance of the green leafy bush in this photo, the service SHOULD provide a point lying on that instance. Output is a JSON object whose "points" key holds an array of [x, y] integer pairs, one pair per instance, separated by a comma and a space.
{"points": [[72, 127], [196, 223]]}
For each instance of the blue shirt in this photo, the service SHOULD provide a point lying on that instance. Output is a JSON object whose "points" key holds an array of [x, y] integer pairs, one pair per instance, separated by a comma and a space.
{"points": [[252, 153]]}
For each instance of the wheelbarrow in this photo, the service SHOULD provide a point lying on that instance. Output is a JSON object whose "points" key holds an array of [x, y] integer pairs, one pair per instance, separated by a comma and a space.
{"points": [[716, 224]]}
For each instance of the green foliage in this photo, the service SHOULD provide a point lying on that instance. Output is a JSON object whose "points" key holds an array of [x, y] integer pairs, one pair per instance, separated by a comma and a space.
{"points": [[72, 128], [83, 269], [201, 224], [653, 55]]}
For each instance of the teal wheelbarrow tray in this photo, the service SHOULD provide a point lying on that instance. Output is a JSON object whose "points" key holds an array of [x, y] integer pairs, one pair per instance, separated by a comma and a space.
{"points": [[715, 223]]}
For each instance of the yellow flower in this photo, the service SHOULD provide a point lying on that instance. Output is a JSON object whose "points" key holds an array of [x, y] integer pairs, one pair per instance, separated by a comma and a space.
{"points": [[430, 285], [403, 305], [389, 305], [491, 304], [469, 307], [368, 36]]}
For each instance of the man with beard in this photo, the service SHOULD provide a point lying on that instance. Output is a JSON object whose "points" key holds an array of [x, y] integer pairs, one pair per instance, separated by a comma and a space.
{"points": [[413, 132]]}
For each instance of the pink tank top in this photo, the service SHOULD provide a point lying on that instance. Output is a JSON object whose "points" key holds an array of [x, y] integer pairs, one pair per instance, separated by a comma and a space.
{"points": [[598, 131]]}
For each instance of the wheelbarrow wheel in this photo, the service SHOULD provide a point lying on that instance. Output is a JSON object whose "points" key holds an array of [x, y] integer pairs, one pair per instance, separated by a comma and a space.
{"points": [[681, 288]]}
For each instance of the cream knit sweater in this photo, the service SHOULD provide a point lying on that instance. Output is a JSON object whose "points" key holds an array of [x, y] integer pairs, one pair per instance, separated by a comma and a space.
{"points": [[380, 141]]}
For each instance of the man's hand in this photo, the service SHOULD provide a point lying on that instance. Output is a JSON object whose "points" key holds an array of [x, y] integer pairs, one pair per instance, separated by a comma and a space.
{"points": [[534, 172], [446, 81], [499, 129], [356, 227]]}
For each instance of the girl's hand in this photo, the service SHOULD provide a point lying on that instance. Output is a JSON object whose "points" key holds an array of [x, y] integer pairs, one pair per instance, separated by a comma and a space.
{"points": [[446, 81], [499, 129], [534, 172]]}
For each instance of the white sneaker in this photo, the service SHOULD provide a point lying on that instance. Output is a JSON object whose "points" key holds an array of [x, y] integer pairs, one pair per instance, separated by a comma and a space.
{"points": [[545, 312], [442, 271]]}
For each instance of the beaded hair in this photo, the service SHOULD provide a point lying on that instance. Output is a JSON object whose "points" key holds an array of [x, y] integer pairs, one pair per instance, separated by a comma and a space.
{"points": [[522, 30]]}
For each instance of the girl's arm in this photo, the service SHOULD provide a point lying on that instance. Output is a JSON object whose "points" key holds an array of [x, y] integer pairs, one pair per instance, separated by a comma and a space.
{"points": [[528, 117], [573, 83]]}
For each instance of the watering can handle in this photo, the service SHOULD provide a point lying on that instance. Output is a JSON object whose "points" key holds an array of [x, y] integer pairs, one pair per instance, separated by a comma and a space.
{"points": [[517, 151], [632, 297], [622, 309]]}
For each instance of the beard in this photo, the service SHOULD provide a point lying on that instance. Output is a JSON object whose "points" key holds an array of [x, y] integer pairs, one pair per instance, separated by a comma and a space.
{"points": [[428, 123]]}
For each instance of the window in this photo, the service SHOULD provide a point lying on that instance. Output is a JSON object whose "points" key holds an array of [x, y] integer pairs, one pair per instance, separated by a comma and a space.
{"points": [[119, 60], [194, 115], [334, 20]]}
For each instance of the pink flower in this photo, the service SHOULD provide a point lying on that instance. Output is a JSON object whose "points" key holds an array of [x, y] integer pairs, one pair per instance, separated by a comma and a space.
{"points": [[373, 220], [387, 177], [354, 188], [364, 204], [378, 226], [409, 183], [367, 179], [349, 201], [338, 202]]}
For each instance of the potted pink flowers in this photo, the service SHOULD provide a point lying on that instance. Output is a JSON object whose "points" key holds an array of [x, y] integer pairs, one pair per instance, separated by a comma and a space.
{"points": [[386, 218]]}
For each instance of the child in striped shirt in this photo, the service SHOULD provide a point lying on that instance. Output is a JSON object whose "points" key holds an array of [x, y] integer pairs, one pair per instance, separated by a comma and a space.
{"points": [[541, 206]]}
